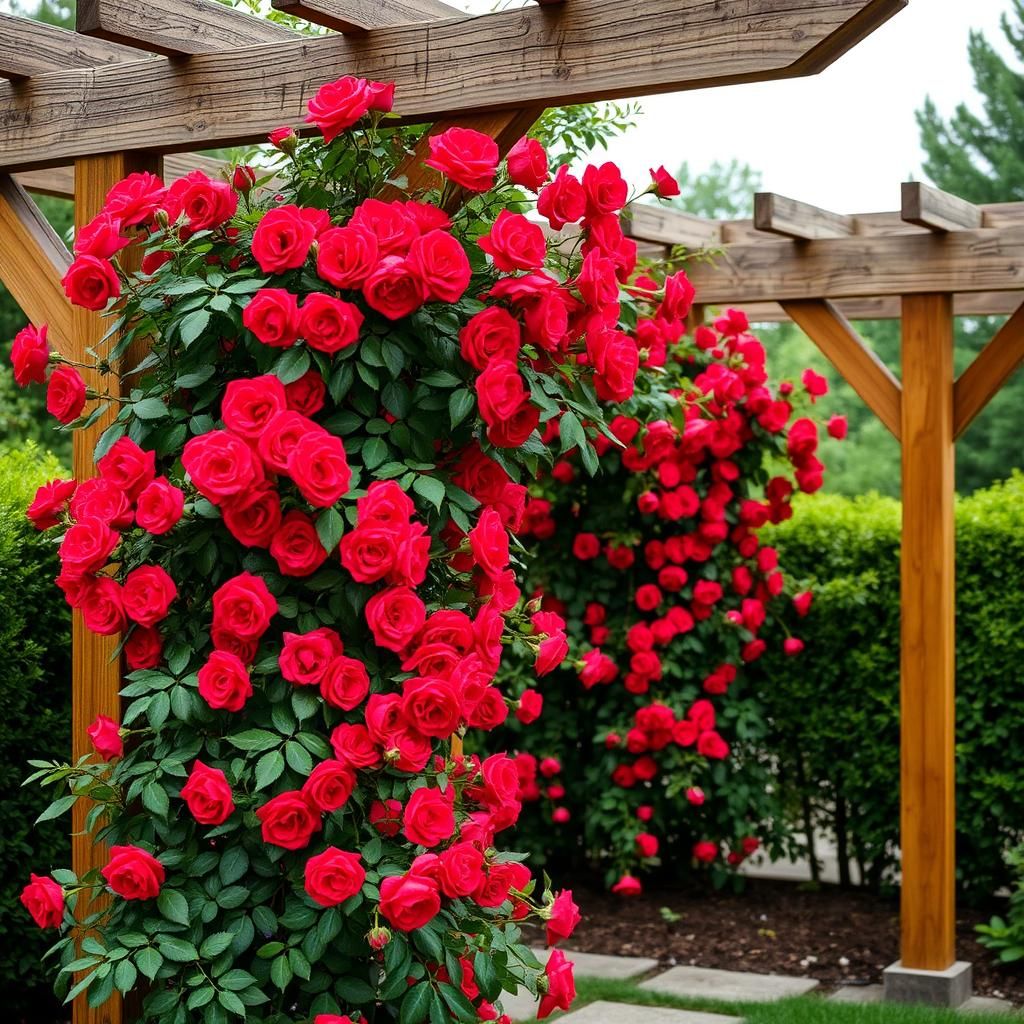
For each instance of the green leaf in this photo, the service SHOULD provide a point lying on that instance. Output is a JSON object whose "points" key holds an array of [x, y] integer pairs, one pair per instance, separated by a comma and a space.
{"points": [[236, 980], [298, 758], [149, 961], [193, 326], [292, 364], [415, 1005], [125, 976], [254, 739], [430, 488], [57, 808], [460, 404], [194, 379], [330, 525], [155, 800], [281, 972], [233, 864], [215, 944], [232, 1003], [177, 949], [440, 379], [269, 768], [150, 409], [173, 906], [571, 431], [374, 452]]}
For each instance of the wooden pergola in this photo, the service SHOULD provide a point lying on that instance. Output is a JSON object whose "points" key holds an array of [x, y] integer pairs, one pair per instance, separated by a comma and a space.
{"points": [[935, 258], [141, 81]]}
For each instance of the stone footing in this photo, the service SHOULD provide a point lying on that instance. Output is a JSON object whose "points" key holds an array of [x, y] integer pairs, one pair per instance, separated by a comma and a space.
{"points": [[951, 987]]}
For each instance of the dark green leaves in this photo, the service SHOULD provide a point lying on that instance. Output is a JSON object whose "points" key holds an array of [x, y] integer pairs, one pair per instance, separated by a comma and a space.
{"points": [[173, 906]]}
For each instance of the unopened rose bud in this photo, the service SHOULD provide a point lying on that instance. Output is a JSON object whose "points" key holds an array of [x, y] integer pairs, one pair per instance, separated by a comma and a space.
{"points": [[378, 937], [162, 219], [243, 177], [285, 139]]}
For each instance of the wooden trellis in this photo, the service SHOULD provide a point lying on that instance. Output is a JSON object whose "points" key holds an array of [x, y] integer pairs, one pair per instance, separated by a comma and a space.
{"points": [[140, 80]]}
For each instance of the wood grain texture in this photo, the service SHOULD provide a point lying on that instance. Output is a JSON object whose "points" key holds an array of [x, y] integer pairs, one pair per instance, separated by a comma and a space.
{"points": [[96, 673], [31, 48], [175, 28], [936, 210], [580, 50], [864, 267], [33, 259], [847, 352], [664, 225], [358, 16], [781, 216], [927, 661], [890, 308], [994, 365]]}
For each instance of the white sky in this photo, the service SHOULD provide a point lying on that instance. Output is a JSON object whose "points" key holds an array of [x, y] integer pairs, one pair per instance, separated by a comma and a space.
{"points": [[844, 139]]}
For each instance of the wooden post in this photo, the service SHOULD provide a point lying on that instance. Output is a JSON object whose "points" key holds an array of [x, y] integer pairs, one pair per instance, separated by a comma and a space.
{"points": [[95, 672], [927, 663]]}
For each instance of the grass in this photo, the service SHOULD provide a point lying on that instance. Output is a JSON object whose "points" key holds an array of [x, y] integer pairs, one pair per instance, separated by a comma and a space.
{"points": [[804, 1010]]}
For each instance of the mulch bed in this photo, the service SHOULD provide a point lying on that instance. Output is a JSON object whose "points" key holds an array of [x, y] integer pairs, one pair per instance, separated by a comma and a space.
{"points": [[836, 936]]}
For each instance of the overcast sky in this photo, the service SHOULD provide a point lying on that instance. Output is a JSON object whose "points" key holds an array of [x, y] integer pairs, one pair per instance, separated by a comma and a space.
{"points": [[844, 139]]}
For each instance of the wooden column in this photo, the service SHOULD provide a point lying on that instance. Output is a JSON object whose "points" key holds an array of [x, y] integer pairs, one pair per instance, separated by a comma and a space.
{"points": [[928, 824], [95, 672]]}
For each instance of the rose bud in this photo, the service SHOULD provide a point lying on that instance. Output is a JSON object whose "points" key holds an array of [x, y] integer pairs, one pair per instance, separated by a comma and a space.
{"points": [[284, 138], [243, 177], [695, 795]]}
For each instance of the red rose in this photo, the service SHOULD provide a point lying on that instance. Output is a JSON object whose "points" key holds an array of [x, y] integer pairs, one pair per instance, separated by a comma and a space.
{"points": [[43, 898], [429, 818], [203, 202], [329, 324], [467, 157], [663, 185], [460, 870], [249, 405], [208, 795], [143, 648], [353, 746], [329, 786], [244, 606], [678, 297], [586, 546], [128, 466], [409, 902], [289, 821], [253, 517], [553, 650], [97, 498], [307, 394], [148, 593], [87, 546], [605, 188], [159, 507], [30, 355], [515, 243], [394, 289], [441, 264], [135, 199], [224, 682], [837, 427], [560, 988], [345, 256], [705, 851], [101, 605], [345, 683], [65, 394], [133, 873], [432, 705], [369, 552], [283, 434], [283, 138], [105, 735], [394, 226], [100, 237], [320, 469], [296, 546], [339, 104], [273, 317], [220, 465], [386, 817], [91, 282], [627, 885], [646, 845], [527, 164], [282, 239], [334, 876], [563, 916], [491, 335], [505, 405], [563, 201], [395, 616], [616, 360], [50, 503], [488, 541], [304, 658]]}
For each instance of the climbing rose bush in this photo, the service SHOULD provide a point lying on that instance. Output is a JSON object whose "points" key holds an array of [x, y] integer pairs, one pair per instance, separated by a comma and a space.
{"points": [[301, 529], [655, 572]]}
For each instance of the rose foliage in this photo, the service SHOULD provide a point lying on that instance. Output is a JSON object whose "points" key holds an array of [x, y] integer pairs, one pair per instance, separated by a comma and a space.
{"points": [[302, 529]]}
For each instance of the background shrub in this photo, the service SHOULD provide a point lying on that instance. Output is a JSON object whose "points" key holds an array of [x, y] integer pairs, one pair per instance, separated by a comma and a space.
{"points": [[35, 712]]}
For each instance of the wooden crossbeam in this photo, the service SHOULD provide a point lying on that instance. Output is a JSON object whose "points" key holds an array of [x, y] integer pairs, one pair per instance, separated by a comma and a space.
{"points": [[358, 16], [33, 259], [175, 28], [889, 307], [30, 48], [667, 226], [847, 352], [449, 68], [781, 216], [991, 369], [936, 210]]}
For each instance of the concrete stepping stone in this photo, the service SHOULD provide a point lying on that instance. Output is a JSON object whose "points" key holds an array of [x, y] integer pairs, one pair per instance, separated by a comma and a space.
{"points": [[729, 986], [624, 1013], [595, 965], [875, 994], [986, 1004]]}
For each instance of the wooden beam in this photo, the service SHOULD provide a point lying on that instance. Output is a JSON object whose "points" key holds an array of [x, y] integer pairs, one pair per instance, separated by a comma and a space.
{"points": [[847, 352], [864, 267], [33, 260], [927, 660], [781, 216], [665, 225], [32, 48], [176, 28], [358, 16], [991, 369], [972, 304], [936, 210], [510, 58]]}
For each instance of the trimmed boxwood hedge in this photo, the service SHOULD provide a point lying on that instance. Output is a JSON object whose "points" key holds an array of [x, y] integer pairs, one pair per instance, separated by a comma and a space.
{"points": [[35, 715]]}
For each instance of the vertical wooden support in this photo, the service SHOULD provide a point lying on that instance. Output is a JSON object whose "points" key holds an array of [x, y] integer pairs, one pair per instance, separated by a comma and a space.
{"points": [[95, 672], [928, 824]]}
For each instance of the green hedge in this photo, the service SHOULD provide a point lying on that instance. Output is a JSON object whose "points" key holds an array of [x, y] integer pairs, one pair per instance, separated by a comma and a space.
{"points": [[35, 713], [836, 709]]}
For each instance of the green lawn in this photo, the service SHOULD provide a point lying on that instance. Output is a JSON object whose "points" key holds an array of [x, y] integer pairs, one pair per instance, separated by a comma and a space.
{"points": [[806, 1010]]}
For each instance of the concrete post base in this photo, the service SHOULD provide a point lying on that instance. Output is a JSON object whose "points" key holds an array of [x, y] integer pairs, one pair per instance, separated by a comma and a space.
{"points": [[951, 987]]}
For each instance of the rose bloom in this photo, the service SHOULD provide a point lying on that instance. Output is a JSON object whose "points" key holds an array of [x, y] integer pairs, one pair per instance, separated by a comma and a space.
{"points": [[128, 466], [133, 873], [143, 648], [460, 870], [320, 469], [43, 898], [531, 704], [87, 546], [329, 324], [429, 818], [244, 606], [289, 821], [105, 735], [220, 465], [627, 885], [409, 902], [339, 104], [705, 851], [253, 517], [553, 650], [91, 283], [441, 264], [491, 334], [65, 394], [353, 746], [395, 616], [250, 404], [148, 594], [467, 157], [100, 499], [432, 706], [394, 289], [224, 682], [560, 988], [563, 200], [135, 199], [304, 657], [208, 795], [563, 916], [282, 239], [329, 786], [514, 243], [307, 394], [527, 164], [345, 683], [273, 317], [201, 201], [334, 876], [101, 606], [159, 507], [30, 356], [346, 255], [50, 503], [296, 545], [505, 405]]}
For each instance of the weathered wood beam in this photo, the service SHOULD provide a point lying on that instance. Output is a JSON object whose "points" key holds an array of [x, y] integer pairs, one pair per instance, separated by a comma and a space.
{"points": [[510, 58], [781, 216], [927, 649], [991, 369], [176, 28], [663, 225], [30, 48], [936, 210], [847, 352], [33, 260], [358, 16], [864, 267], [889, 308]]}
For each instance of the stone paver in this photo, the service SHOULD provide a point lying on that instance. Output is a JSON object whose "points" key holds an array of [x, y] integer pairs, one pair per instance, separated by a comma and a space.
{"points": [[594, 965], [729, 986], [858, 994], [985, 1004], [522, 1006], [623, 1013]]}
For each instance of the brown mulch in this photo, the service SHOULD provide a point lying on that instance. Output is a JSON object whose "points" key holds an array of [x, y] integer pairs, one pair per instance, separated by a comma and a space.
{"points": [[836, 936]]}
